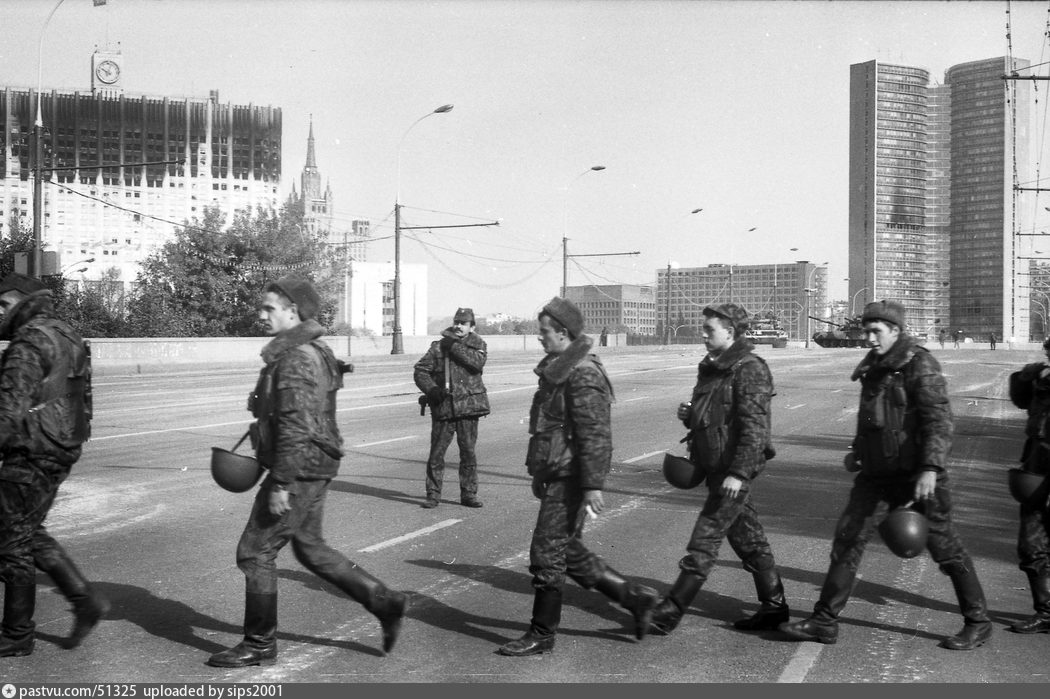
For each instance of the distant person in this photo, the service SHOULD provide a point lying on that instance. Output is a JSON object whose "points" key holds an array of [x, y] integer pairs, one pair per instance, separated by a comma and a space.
{"points": [[729, 419], [1029, 390], [45, 380], [991, 340], [900, 455], [569, 457], [296, 437], [940, 337], [603, 339], [957, 337], [449, 375]]}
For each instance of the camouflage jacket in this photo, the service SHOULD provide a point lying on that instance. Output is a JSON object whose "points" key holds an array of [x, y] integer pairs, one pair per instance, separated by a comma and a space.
{"points": [[730, 418], [34, 428], [1029, 390], [904, 424], [465, 391], [570, 421], [295, 434]]}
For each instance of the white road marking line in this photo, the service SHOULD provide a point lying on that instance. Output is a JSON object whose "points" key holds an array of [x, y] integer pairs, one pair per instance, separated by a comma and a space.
{"points": [[643, 456], [801, 663], [385, 441], [794, 407], [411, 535], [631, 400]]}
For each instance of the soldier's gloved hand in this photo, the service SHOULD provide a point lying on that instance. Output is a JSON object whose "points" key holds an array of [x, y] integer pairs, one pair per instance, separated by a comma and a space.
{"points": [[683, 411], [436, 394], [447, 342], [539, 488], [851, 462]]}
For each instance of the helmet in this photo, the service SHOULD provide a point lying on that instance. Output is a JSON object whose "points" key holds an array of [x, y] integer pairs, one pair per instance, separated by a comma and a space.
{"points": [[904, 530], [1026, 487], [681, 472], [234, 472]]}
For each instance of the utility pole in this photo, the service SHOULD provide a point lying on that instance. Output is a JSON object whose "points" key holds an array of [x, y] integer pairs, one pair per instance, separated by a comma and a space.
{"points": [[667, 308]]}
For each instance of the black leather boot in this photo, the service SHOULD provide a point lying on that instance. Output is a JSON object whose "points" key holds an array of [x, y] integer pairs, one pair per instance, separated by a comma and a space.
{"points": [[639, 600], [670, 609], [88, 606], [977, 629], [387, 605], [17, 631], [774, 610], [546, 615], [1040, 621], [259, 646], [823, 626]]}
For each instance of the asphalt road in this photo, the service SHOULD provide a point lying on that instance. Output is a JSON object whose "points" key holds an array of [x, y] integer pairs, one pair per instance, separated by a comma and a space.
{"points": [[143, 518]]}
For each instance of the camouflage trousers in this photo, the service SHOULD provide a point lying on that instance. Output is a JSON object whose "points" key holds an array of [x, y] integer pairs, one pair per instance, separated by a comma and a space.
{"points": [[736, 521], [26, 495], [266, 534], [869, 500], [557, 548], [1033, 544], [466, 434]]}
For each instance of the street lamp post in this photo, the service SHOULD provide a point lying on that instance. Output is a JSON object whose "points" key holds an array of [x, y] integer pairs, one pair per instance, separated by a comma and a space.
{"points": [[565, 230], [397, 344], [38, 154], [853, 303]]}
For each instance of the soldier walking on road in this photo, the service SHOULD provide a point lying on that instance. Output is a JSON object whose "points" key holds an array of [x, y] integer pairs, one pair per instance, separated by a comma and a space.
{"points": [[904, 434], [729, 420], [45, 403], [569, 456], [1030, 390], [296, 437], [449, 375]]}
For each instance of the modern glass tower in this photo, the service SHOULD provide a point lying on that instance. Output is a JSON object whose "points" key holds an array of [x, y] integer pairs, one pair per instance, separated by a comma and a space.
{"points": [[930, 218]]}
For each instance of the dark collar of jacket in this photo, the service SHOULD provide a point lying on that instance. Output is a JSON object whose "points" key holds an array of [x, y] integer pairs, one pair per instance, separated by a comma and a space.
{"points": [[301, 334], [894, 360], [740, 348], [555, 368]]}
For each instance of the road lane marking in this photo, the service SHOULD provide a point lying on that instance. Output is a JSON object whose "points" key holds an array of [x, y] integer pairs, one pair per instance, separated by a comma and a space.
{"points": [[794, 407], [801, 663], [385, 441], [643, 456], [411, 535]]}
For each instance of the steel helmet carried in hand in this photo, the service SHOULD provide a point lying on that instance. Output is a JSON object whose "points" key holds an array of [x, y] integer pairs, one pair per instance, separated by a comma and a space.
{"points": [[681, 472], [235, 472], [1027, 487], [905, 530]]}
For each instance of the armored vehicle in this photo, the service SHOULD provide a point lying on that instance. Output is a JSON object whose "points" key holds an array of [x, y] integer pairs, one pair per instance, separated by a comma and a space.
{"points": [[847, 334]]}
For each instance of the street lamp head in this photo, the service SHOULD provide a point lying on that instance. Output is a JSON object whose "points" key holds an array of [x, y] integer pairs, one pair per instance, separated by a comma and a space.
{"points": [[598, 167], [696, 211], [443, 108]]}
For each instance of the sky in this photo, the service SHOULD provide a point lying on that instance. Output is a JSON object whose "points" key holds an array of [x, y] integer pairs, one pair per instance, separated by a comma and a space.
{"points": [[737, 108]]}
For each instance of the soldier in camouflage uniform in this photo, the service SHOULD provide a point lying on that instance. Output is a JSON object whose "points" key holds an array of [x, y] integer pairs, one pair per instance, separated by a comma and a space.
{"points": [[449, 375], [1030, 390], [729, 437], [571, 407], [900, 451], [44, 411], [296, 437]]}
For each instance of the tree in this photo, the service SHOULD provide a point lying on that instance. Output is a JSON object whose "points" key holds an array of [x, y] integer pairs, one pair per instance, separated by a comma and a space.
{"points": [[206, 282]]}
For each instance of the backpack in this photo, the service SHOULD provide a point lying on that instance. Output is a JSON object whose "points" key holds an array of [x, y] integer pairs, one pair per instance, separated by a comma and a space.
{"points": [[69, 379]]}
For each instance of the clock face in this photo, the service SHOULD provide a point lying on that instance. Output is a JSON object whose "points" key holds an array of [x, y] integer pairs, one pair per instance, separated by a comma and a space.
{"points": [[107, 71]]}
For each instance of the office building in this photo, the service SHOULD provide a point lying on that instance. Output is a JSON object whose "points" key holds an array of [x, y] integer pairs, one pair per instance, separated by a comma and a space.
{"points": [[371, 297], [616, 307], [785, 292], [930, 195], [228, 156]]}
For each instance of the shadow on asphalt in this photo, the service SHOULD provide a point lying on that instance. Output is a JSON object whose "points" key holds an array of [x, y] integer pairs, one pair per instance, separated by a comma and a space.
{"points": [[438, 614], [180, 623]]}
